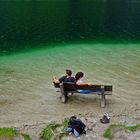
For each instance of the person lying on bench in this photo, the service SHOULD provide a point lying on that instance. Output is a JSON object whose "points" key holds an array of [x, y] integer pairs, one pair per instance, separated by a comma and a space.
{"points": [[79, 76], [66, 78]]}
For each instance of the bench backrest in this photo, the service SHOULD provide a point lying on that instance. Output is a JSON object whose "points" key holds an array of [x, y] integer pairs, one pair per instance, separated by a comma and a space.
{"points": [[69, 86], [89, 87], [108, 88]]}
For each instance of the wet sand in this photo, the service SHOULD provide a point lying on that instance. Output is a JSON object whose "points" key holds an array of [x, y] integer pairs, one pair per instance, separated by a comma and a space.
{"points": [[28, 98]]}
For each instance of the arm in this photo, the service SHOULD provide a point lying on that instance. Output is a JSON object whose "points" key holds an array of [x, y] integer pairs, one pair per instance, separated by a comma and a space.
{"points": [[82, 83], [56, 80], [61, 79]]}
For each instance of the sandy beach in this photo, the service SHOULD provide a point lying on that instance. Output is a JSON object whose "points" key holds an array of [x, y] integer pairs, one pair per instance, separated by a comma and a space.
{"points": [[28, 100]]}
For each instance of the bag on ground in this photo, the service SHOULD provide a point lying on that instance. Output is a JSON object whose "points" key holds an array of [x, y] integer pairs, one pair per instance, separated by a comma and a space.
{"points": [[76, 126]]}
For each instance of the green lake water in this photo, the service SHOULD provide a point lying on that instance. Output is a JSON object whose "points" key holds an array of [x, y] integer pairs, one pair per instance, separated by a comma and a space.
{"points": [[40, 39]]}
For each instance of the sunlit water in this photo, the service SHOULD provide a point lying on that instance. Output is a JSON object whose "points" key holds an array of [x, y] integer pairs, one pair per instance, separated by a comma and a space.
{"points": [[27, 94]]}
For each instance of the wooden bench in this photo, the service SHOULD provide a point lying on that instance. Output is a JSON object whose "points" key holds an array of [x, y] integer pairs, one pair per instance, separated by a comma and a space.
{"points": [[69, 87]]}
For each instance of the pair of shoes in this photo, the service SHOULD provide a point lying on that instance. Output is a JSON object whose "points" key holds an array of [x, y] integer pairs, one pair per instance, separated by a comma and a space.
{"points": [[105, 119]]}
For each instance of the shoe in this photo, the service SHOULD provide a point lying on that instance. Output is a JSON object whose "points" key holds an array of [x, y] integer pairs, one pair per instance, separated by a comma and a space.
{"points": [[105, 119], [70, 94]]}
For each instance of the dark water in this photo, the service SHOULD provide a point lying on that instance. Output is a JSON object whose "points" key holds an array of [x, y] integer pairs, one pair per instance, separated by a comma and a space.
{"points": [[27, 22]]}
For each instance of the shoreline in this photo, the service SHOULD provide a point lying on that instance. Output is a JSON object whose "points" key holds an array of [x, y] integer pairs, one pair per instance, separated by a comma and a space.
{"points": [[94, 128]]}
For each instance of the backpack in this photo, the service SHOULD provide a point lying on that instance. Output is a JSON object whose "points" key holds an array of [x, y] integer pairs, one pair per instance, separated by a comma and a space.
{"points": [[76, 124]]}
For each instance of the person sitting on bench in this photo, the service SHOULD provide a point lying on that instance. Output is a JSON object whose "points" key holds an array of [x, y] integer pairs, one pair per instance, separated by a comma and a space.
{"points": [[66, 78], [79, 81]]}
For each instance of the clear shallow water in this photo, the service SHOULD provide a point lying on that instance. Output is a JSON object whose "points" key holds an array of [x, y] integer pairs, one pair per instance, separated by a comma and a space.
{"points": [[27, 94]]}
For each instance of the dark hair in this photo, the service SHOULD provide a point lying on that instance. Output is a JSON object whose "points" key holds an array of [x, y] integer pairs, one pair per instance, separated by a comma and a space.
{"points": [[79, 75], [68, 72]]}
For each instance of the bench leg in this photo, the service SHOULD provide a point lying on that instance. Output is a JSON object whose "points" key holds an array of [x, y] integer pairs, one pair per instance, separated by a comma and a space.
{"points": [[103, 101], [63, 97]]}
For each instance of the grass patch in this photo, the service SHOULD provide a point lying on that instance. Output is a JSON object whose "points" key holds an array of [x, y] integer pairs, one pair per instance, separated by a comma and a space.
{"points": [[54, 130], [26, 136], [10, 133], [108, 133], [133, 128]]}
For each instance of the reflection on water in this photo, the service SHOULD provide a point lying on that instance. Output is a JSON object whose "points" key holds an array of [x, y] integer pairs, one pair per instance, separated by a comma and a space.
{"points": [[27, 93]]}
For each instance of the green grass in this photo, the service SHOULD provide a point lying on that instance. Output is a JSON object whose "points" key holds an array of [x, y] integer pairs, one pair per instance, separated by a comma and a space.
{"points": [[54, 130], [133, 128], [26, 136], [10, 133], [108, 133]]}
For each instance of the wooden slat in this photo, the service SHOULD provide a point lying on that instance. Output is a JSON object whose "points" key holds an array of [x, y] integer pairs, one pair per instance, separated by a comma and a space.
{"points": [[107, 88], [69, 86], [89, 87]]}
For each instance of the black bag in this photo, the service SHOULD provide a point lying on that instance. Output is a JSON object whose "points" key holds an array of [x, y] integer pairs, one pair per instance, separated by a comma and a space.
{"points": [[77, 124]]}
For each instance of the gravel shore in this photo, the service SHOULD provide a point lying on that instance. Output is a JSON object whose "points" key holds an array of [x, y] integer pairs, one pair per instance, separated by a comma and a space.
{"points": [[94, 128]]}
